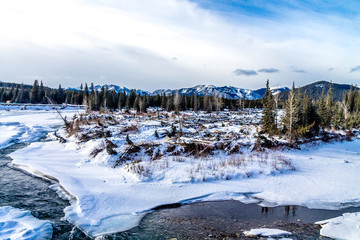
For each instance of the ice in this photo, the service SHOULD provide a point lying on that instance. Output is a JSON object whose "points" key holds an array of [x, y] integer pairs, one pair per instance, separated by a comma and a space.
{"points": [[266, 232], [20, 224], [346, 226]]}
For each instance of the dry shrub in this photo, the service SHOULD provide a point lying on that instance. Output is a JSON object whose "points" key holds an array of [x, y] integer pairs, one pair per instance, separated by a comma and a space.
{"points": [[236, 161], [178, 159], [138, 168], [285, 162], [96, 151], [132, 150], [110, 147], [198, 149], [235, 149], [130, 129]]}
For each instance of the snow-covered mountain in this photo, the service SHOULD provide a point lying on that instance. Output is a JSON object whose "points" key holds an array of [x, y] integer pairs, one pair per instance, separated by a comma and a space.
{"points": [[111, 87], [202, 90], [274, 90], [228, 92]]}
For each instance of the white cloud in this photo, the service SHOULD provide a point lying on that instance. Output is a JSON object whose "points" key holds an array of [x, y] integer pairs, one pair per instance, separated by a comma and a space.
{"points": [[133, 43]]}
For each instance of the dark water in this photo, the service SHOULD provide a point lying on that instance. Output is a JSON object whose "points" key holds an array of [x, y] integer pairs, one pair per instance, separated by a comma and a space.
{"points": [[21, 190], [227, 220], [203, 220]]}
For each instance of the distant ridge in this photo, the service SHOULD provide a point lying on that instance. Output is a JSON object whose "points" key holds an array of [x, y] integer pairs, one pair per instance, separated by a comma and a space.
{"points": [[316, 89]]}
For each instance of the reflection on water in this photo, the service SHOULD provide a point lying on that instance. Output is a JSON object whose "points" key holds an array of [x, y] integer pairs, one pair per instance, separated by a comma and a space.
{"points": [[227, 220]]}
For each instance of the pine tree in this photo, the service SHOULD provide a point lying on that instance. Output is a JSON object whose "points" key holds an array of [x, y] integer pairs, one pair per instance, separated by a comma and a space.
{"points": [[34, 92], [60, 95], [42, 93], [136, 105], [268, 117], [329, 106], [86, 95], [142, 104], [20, 96]]}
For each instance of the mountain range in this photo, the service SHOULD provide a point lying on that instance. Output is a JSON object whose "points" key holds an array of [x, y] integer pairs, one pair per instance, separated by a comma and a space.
{"points": [[228, 92], [314, 90]]}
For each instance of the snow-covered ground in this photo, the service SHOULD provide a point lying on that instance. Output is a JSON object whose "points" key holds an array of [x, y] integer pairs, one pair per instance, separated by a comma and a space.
{"points": [[111, 199], [163, 170], [20, 224]]}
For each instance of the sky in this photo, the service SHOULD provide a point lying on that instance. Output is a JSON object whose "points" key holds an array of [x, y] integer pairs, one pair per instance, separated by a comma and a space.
{"points": [[153, 44]]}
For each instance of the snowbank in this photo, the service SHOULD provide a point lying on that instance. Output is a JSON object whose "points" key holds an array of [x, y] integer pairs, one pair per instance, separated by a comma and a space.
{"points": [[266, 232], [20, 224], [343, 227]]}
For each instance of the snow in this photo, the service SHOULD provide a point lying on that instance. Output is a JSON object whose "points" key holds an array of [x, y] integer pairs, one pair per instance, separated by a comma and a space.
{"points": [[107, 200], [20, 224], [346, 226], [19, 126], [266, 232], [103, 193]]}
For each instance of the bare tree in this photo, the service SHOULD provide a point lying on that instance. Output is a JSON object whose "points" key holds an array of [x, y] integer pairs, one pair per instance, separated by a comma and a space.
{"points": [[218, 103], [177, 101]]}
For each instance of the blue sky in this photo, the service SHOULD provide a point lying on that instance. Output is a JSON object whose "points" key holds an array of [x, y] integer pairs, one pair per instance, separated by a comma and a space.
{"points": [[151, 44], [278, 8]]}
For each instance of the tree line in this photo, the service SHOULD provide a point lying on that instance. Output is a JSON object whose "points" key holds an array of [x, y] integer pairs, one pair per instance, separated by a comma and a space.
{"points": [[110, 100], [306, 117], [303, 115]]}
